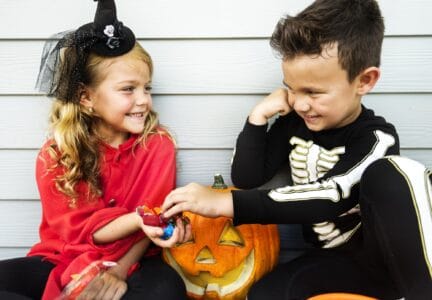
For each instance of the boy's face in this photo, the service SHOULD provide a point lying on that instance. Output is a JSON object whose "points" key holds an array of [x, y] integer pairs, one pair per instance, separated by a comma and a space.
{"points": [[319, 90]]}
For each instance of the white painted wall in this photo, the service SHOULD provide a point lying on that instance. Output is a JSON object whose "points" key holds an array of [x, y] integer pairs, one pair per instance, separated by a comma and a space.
{"points": [[212, 64]]}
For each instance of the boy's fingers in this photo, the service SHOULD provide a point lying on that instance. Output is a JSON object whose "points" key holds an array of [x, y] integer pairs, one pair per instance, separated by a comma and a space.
{"points": [[181, 229], [188, 233], [172, 199], [173, 210]]}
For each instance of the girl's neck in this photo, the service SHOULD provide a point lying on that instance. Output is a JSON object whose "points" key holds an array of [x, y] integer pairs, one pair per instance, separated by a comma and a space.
{"points": [[111, 137]]}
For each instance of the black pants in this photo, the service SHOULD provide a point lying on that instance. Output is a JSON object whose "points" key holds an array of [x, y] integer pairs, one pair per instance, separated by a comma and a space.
{"points": [[25, 278], [390, 258]]}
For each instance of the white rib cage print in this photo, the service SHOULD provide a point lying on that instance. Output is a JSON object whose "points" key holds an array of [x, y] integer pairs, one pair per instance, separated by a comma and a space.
{"points": [[310, 162]]}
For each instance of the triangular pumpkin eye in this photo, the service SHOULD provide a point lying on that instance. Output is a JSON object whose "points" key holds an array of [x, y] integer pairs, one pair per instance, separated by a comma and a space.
{"points": [[230, 236], [205, 256]]}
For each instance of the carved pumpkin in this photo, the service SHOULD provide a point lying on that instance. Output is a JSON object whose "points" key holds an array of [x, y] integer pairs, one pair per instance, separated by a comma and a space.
{"points": [[340, 296], [222, 261]]}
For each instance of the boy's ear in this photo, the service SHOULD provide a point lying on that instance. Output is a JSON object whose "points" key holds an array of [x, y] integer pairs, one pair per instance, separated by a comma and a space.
{"points": [[367, 80]]}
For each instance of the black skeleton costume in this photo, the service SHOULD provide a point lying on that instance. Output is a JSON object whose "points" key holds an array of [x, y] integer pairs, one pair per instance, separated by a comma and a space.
{"points": [[359, 202], [326, 167]]}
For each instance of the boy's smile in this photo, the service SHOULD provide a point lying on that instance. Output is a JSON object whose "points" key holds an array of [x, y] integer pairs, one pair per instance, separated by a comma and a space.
{"points": [[319, 90]]}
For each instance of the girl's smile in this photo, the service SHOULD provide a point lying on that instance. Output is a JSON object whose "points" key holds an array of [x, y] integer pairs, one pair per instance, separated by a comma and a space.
{"points": [[122, 100]]}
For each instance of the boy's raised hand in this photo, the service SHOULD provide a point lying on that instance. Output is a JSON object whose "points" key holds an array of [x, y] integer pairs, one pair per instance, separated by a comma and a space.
{"points": [[198, 199], [275, 103]]}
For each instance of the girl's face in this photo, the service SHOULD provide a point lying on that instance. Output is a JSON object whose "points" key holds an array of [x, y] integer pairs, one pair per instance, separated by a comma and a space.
{"points": [[122, 100]]}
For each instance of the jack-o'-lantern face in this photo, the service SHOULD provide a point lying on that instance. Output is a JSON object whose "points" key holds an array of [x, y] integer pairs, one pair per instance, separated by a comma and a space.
{"points": [[222, 261]]}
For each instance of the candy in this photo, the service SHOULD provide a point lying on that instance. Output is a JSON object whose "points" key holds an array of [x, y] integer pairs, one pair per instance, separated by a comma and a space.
{"points": [[153, 217]]}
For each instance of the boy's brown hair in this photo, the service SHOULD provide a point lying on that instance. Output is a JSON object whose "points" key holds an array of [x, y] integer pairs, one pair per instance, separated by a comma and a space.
{"points": [[356, 26]]}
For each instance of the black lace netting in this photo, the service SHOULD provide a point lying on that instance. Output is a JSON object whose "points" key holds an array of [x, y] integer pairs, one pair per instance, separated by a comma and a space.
{"points": [[63, 61]]}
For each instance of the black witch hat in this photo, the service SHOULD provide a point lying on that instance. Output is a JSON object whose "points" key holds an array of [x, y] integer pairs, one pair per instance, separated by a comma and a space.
{"points": [[114, 39], [60, 77]]}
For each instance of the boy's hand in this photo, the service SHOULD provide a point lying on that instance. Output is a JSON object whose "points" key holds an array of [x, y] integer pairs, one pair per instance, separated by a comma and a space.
{"points": [[198, 199], [275, 103]]}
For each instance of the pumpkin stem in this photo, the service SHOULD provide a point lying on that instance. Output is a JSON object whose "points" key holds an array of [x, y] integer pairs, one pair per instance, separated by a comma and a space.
{"points": [[218, 182]]}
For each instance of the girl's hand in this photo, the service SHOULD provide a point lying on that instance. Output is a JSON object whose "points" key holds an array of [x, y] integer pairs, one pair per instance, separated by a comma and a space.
{"points": [[181, 234], [275, 103], [198, 199], [104, 286]]}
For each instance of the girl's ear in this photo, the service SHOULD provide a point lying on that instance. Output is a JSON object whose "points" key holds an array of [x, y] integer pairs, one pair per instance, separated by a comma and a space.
{"points": [[367, 80], [84, 96]]}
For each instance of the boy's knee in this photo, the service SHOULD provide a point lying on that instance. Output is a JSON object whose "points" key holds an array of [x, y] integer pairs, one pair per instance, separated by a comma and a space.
{"points": [[377, 176], [378, 167], [387, 176]]}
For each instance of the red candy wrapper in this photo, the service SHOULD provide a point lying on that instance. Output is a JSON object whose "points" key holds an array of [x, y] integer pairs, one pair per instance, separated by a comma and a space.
{"points": [[153, 217], [79, 281]]}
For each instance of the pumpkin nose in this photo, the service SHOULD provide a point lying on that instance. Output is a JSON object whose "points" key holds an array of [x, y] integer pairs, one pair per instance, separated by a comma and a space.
{"points": [[205, 256]]}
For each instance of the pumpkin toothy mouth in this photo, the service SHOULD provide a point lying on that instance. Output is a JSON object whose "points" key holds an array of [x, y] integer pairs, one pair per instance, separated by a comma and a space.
{"points": [[204, 282]]}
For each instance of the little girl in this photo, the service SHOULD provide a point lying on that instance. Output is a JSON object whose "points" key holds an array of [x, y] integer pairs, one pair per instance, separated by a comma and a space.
{"points": [[106, 156]]}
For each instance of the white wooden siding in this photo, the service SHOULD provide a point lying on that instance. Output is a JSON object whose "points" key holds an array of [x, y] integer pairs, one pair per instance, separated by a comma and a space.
{"points": [[212, 64]]}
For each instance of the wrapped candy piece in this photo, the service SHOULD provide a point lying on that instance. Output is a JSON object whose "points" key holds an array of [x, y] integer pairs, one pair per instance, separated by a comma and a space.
{"points": [[80, 281], [153, 217]]}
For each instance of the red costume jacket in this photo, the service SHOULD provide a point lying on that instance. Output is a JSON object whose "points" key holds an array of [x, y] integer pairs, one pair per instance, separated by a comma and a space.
{"points": [[130, 176]]}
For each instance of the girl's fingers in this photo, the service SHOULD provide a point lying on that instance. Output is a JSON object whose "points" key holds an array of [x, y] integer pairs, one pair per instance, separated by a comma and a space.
{"points": [[152, 231], [119, 292], [92, 289], [169, 242]]}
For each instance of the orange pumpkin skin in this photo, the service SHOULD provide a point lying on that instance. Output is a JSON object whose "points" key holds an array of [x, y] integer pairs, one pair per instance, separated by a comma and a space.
{"points": [[340, 296], [223, 261]]}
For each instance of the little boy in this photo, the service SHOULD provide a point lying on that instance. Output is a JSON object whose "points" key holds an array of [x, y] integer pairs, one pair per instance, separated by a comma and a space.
{"points": [[368, 213]]}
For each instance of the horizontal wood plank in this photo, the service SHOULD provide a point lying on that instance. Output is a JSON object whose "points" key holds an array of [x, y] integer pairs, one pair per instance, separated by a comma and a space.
{"points": [[189, 18], [13, 252], [19, 223], [226, 66], [211, 121], [18, 182]]}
